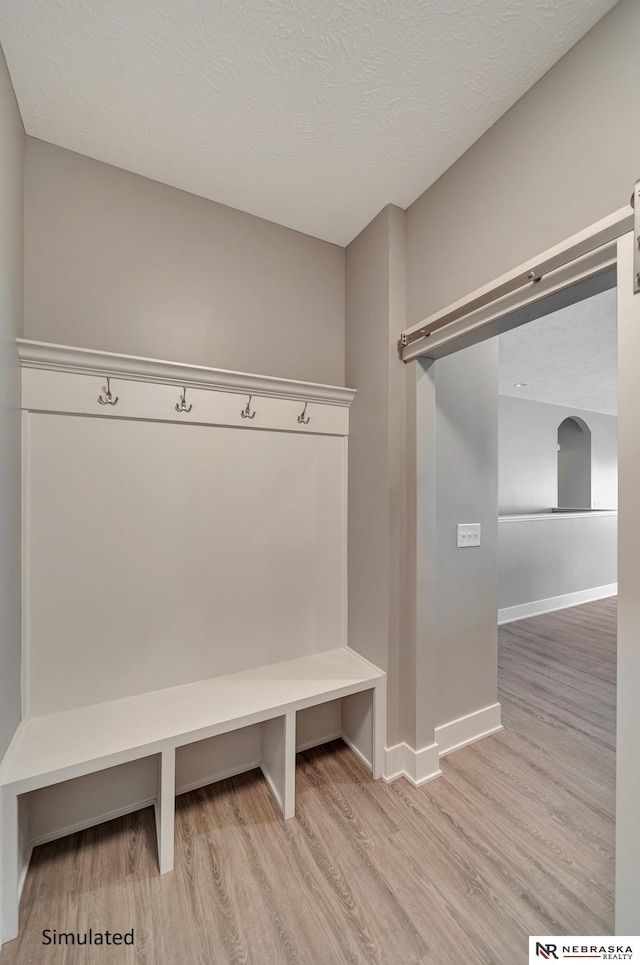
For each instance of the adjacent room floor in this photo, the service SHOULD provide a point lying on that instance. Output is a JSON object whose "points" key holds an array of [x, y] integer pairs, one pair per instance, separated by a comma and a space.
{"points": [[516, 838]]}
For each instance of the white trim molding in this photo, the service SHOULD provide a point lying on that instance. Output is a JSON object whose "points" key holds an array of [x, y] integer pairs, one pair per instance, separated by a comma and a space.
{"points": [[84, 361], [568, 514], [418, 767], [537, 607], [468, 729], [65, 380], [24, 870], [92, 822]]}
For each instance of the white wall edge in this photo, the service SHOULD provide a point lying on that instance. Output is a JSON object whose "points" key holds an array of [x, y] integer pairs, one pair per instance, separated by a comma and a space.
{"points": [[466, 730], [11, 750], [538, 607], [23, 873], [274, 790], [418, 767], [82, 361]]}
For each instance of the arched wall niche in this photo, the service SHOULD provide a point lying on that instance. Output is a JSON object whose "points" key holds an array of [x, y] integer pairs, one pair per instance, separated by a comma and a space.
{"points": [[574, 464]]}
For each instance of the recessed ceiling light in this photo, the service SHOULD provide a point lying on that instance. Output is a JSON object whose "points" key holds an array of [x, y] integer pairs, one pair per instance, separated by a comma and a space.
{"points": [[520, 385]]}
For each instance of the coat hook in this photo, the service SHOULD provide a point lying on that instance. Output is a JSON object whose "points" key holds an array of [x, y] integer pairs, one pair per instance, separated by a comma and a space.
{"points": [[301, 417], [107, 399], [246, 412], [182, 406]]}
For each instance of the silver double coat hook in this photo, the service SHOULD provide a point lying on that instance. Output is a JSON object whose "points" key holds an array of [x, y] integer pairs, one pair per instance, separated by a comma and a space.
{"points": [[107, 398], [246, 412], [182, 406], [301, 417]]}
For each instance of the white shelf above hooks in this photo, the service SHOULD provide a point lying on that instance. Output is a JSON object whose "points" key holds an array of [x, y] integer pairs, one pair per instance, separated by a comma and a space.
{"points": [[84, 361], [67, 379]]}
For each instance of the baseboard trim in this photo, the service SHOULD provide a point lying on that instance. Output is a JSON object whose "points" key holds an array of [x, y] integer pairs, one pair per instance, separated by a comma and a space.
{"points": [[538, 607], [91, 822], [318, 742], [418, 767], [214, 778], [466, 730]]}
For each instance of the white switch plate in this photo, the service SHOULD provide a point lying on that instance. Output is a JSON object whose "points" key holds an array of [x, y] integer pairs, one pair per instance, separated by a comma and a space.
{"points": [[468, 534]]}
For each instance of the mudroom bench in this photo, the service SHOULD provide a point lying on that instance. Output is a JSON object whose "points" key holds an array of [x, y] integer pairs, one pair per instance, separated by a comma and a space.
{"points": [[57, 747]]}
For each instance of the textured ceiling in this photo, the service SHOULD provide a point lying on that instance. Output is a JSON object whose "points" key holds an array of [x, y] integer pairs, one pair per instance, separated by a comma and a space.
{"points": [[568, 358], [311, 113]]}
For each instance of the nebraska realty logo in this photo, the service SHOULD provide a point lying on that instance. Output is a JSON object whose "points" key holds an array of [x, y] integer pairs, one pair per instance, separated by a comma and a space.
{"points": [[576, 948]]}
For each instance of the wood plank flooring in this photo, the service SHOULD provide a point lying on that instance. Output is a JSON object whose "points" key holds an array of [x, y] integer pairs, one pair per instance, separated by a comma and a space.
{"points": [[515, 838]]}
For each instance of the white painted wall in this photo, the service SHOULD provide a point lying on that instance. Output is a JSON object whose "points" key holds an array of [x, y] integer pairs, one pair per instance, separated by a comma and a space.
{"points": [[115, 261], [528, 455], [159, 554], [11, 161]]}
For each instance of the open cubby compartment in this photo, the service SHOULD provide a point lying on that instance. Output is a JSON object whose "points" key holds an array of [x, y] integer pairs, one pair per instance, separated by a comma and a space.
{"points": [[351, 718], [52, 811]]}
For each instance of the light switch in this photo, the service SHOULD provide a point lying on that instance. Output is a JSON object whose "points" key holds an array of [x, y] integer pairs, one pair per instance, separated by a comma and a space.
{"points": [[468, 534]]}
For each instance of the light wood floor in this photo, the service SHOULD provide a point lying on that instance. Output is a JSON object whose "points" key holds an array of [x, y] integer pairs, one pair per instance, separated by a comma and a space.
{"points": [[515, 838]]}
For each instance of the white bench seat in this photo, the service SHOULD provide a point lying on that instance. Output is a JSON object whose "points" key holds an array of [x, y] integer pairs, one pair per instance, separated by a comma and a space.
{"points": [[58, 747]]}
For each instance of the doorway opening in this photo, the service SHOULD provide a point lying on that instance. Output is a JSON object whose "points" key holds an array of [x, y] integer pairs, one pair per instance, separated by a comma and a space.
{"points": [[558, 458], [507, 303]]}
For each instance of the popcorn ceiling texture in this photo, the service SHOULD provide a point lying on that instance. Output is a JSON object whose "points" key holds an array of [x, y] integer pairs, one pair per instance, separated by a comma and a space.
{"points": [[311, 114], [569, 357]]}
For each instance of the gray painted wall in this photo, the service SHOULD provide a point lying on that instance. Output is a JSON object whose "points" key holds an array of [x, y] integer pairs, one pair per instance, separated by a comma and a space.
{"points": [[545, 558], [466, 398], [456, 443], [115, 261], [367, 313], [527, 446], [11, 163], [375, 310], [564, 156], [539, 559]]}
